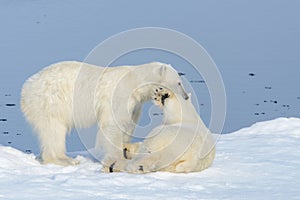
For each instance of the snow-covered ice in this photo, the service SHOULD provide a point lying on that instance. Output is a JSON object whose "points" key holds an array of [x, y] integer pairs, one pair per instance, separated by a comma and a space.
{"points": [[258, 162]]}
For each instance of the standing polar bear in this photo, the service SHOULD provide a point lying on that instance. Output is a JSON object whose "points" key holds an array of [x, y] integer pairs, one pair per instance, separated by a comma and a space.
{"points": [[75, 94], [181, 144]]}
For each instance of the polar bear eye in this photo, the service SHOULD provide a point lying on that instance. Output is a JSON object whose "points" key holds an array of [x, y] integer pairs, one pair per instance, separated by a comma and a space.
{"points": [[179, 83]]}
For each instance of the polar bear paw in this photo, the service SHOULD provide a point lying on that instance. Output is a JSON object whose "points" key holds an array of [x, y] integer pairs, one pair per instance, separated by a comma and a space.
{"points": [[160, 95], [63, 161]]}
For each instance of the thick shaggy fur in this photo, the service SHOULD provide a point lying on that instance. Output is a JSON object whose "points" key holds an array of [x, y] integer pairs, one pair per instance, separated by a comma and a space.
{"points": [[75, 94], [181, 144]]}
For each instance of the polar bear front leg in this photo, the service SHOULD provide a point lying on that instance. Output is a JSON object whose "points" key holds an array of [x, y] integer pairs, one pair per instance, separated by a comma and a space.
{"points": [[110, 143], [131, 121], [116, 129], [144, 163], [130, 149]]}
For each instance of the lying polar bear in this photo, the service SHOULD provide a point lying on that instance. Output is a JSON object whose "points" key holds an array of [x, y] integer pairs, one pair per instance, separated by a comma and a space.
{"points": [[181, 144]]}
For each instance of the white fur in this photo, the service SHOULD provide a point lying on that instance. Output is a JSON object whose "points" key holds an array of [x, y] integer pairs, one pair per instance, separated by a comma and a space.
{"points": [[181, 144], [75, 94]]}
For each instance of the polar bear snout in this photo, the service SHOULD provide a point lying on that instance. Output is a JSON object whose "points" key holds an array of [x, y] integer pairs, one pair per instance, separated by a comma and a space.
{"points": [[186, 97], [181, 91]]}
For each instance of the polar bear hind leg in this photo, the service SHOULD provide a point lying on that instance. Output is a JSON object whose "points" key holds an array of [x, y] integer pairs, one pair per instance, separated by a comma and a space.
{"points": [[52, 136], [185, 166]]}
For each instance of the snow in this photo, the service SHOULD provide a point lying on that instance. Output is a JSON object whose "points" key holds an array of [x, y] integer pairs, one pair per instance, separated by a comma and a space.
{"points": [[258, 162]]}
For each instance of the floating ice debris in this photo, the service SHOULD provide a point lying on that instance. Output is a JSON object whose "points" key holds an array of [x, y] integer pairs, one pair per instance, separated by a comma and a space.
{"points": [[10, 104], [197, 81], [286, 105], [28, 151]]}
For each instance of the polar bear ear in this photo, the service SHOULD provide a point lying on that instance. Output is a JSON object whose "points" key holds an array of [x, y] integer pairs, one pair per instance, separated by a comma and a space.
{"points": [[162, 70]]}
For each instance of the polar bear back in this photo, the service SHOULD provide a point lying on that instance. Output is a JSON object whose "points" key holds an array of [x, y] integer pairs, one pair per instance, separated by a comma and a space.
{"points": [[48, 90], [52, 91]]}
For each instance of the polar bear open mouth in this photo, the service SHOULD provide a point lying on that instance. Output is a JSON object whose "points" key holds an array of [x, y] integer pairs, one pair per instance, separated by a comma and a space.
{"points": [[164, 97], [160, 95]]}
